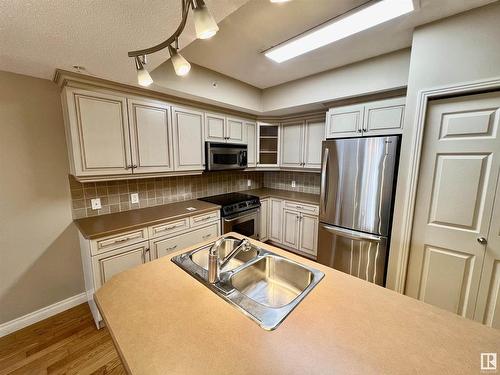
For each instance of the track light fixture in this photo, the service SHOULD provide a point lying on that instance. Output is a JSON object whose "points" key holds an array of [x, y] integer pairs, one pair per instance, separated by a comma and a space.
{"points": [[205, 27]]}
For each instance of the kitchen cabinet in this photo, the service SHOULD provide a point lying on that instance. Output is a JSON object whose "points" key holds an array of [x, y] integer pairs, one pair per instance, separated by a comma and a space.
{"points": [[301, 143], [188, 139], [268, 145], [264, 219], [275, 219], [151, 138], [308, 234], [381, 117], [251, 139], [219, 128], [291, 223]]}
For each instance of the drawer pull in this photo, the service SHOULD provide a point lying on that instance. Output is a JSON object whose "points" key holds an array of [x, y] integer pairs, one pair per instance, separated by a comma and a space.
{"points": [[206, 236], [299, 207], [122, 240], [171, 248], [206, 218]]}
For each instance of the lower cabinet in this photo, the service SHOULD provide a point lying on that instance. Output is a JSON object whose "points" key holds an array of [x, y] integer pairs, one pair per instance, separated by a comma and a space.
{"points": [[291, 223], [275, 219], [264, 219], [308, 234]]}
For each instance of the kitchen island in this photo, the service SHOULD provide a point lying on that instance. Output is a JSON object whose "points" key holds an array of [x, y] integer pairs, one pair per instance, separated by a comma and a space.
{"points": [[163, 321]]}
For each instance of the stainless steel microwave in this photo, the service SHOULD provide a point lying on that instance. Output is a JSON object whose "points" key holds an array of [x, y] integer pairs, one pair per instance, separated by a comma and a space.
{"points": [[223, 156]]}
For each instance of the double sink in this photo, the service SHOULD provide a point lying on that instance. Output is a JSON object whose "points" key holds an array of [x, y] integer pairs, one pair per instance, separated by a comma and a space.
{"points": [[263, 285]]}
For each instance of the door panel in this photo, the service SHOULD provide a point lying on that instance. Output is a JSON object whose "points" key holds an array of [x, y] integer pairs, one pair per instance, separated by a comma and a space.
{"points": [[458, 173], [215, 127], [251, 140], [188, 139], [291, 228], [315, 133], [275, 219], [151, 137], [264, 215], [234, 131], [292, 144], [308, 234], [345, 121], [384, 117]]}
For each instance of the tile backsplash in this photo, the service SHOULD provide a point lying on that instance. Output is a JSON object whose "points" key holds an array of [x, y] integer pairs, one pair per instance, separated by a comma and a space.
{"points": [[115, 195]]}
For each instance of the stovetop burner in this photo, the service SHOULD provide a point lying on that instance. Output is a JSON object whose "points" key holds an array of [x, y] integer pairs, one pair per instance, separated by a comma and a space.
{"points": [[233, 203]]}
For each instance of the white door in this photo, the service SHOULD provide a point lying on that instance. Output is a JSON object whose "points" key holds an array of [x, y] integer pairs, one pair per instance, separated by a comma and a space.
{"points": [[308, 236], [150, 136], [344, 121], [488, 301], [188, 139], [384, 117], [291, 223], [99, 130], [292, 141], [215, 130], [264, 213], [314, 135], [251, 140], [458, 173], [275, 219], [234, 130]]}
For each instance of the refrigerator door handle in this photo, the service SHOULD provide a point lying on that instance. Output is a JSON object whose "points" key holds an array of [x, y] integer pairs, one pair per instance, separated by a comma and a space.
{"points": [[353, 235], [324, 169]]}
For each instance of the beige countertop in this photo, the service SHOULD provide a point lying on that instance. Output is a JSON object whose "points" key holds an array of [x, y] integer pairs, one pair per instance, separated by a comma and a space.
{"points": [[99, 226], [284, 194], [163, 321]]}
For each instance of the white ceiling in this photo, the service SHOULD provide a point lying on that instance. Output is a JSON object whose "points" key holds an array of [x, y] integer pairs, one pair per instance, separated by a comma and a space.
{"points": [[258, 25], [36, 37]]}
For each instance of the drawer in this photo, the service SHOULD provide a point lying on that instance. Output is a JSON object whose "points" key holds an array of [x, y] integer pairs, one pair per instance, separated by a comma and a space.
{"points": [[116, 241], [203, 219], [302, 207], [164, 229], [162, 247]]}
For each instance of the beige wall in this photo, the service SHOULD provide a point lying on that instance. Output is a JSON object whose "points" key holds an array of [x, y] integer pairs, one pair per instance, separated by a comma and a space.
{"points": [[458, 49], [39, 252]]}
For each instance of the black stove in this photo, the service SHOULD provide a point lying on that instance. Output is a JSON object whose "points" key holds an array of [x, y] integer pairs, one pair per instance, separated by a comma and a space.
{"points": [[233, 203]]}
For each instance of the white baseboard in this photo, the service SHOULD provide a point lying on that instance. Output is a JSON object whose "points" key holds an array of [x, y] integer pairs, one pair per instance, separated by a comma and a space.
{"points": [[43, 313]]}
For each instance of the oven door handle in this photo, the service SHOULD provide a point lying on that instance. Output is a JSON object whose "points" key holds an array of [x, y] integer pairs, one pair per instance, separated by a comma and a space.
{"points": [[247, 214]]}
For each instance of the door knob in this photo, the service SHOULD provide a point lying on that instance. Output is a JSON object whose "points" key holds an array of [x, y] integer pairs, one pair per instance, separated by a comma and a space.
{"points": [[482, 240]]}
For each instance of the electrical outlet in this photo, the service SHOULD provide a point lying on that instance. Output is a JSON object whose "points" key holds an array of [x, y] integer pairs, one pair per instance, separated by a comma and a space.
{"points": [[293, 183], [134, 198], [249, 182], [96, 203]]}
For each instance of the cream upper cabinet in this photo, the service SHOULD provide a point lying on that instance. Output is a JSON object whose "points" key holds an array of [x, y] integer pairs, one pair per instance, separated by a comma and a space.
{"points": [[381, 117], [292, 144], [344, 121], [97, 133], [291, 223], [219, 128], [264, 220], [268, 145], [301, 143], [308, 234], [251, 139], [151, 137], [235, 130], [275, 219], [188, 139]]}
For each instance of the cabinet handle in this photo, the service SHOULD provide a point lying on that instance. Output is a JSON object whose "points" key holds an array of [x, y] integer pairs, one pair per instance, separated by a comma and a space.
{"points": [[359, 130], [134, 166], [365, 129], [171, 248], [299, 207], [122, 240], [128, 167], [206, 236]]}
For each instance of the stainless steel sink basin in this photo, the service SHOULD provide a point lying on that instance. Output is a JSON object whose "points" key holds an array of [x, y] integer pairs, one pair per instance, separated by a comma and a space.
{"points": [[272, 281], [200, 257], [263, 285]]}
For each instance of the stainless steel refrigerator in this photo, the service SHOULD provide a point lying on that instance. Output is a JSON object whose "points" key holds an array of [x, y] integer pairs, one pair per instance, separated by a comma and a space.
{"points": [[357, 185]]}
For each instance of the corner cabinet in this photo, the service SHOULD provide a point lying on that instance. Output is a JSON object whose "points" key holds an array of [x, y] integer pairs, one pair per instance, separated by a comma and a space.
{"points": [[382, 117], [268, 144], [301, 143]]}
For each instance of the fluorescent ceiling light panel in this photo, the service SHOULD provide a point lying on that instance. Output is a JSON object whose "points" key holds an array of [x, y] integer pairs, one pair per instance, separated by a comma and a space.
{"points": [[340, 28]]}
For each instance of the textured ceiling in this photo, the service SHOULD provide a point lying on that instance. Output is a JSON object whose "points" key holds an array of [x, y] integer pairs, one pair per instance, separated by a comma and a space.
{"points": [[40, 35], [259, 25]]}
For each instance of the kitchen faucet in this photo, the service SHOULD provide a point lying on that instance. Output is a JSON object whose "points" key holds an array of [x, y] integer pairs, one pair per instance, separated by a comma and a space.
{"points": [[215, 264]]}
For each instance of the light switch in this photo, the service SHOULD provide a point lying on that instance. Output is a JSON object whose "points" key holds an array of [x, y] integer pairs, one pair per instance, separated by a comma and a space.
{"points": [[293, 183], [134, 198], [96, 203]]}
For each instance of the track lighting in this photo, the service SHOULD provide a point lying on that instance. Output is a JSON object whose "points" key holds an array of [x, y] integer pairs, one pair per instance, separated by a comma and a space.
{"points": [[143, 77], [205, 27], [181, 65]]}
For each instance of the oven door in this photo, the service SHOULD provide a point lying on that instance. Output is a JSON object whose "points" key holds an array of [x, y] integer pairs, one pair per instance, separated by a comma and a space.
{"points": [[246, 223]]}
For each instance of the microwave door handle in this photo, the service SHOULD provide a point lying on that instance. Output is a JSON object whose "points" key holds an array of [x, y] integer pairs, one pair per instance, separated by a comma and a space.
{"points": [[324, 179]]}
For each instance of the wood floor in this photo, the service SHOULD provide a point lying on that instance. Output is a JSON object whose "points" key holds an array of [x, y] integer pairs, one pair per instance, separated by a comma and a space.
{"points": [[67, 343]]}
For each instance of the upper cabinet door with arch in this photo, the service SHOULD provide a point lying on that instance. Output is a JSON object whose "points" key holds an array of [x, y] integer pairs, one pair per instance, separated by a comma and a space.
{"points": [[188, 139], [97, 133], [151, 136]]}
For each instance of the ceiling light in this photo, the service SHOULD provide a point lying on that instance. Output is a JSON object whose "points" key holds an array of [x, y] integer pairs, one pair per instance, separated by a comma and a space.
{"points": [[143, 77], [354, 22], [279, 1], [204, 23], [181, 65]]}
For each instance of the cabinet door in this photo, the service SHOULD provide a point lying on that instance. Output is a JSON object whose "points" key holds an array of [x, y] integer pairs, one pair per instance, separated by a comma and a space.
{"points": [[251, 140], [98, 133], [308, 242], [314, 135], [215, 127], [264, 214], [292, 141], [188, 139], [234, 130], [150, 136], [344, 121], [291, 221], [109, 264], [275, 219], [384, 117]]}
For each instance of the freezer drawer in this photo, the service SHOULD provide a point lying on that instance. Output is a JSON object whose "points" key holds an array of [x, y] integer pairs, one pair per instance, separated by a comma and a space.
{"points": [[356, 253]]}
